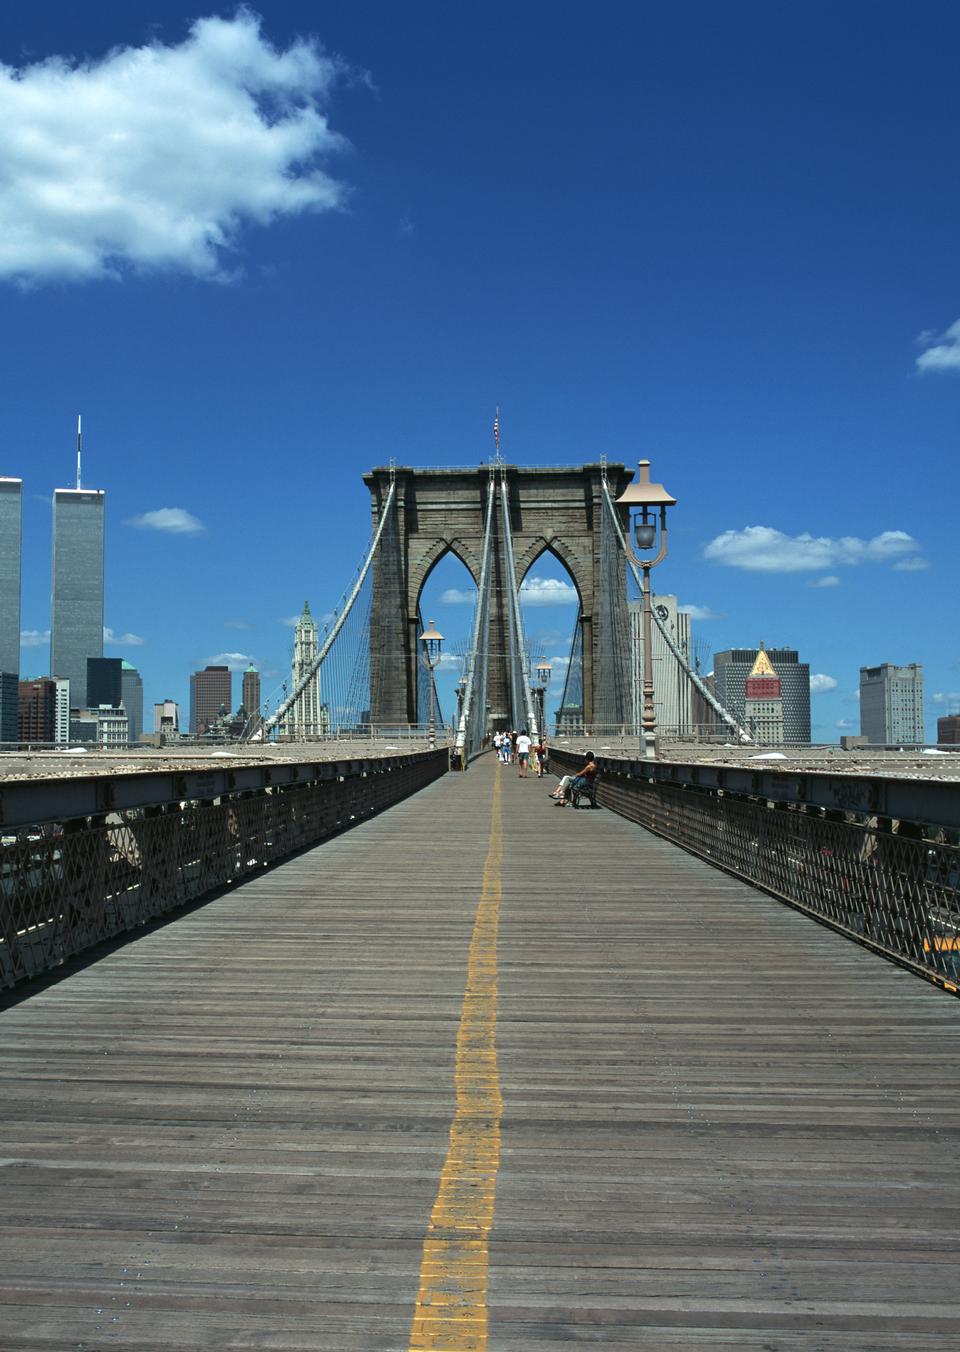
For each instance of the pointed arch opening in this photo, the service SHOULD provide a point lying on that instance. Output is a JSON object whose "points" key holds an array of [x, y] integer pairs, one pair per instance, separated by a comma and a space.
{"points": [[551, 604], [447, 594]]}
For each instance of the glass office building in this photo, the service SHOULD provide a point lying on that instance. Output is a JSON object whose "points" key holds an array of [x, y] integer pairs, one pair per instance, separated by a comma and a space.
{"points": [[76, 619], [11, 498]]}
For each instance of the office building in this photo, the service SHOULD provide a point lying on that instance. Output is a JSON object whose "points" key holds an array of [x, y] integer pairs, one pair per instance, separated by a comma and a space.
{"points": [[61, 723], [891, 704], [211, 691], [38, 710], [11, 501], [763, 702], [306, 717], [948, 730], [731, 670], [106, 726], [672, 689], [166, 718], [251, 690], [131, 697], [251, 699], [76, 618], [104, 681]]}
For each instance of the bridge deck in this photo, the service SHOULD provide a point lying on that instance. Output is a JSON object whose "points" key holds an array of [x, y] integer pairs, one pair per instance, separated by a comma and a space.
{"points": [[723, 1126]]}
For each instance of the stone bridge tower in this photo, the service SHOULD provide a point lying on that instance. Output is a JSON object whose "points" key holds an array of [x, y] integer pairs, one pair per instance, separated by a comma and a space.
{"points": [[441, 511]]}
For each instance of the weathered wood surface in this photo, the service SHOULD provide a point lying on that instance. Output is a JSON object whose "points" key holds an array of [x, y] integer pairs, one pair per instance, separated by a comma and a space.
{"points": [[724, 1126]]}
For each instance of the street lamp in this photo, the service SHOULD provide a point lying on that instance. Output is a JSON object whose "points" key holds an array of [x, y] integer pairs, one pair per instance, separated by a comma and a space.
{"points": [[543, 680], [645, 501], [431, 642]]}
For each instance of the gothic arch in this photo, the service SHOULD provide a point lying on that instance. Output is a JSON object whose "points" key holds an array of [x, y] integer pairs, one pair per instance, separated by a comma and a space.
{"points": [[577, 568], [423, 565]]}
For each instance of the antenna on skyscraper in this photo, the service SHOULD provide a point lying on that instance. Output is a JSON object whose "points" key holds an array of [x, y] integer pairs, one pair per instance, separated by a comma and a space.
{"points": [[78, 452]]}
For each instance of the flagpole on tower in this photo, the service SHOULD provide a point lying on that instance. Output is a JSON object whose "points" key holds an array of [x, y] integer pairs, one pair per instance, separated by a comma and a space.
{"points": [[496, 433], [78, 452]]}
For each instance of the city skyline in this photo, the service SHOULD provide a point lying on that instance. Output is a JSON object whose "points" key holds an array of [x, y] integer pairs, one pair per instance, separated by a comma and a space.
{"points": [[759, 301]]}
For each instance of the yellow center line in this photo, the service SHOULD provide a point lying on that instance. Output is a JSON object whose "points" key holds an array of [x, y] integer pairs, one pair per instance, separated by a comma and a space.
{"points": [[451, 1311]]}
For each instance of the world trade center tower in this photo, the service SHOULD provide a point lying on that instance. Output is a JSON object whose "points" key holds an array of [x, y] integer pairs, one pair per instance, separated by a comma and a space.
{"points": [[76, 619]]}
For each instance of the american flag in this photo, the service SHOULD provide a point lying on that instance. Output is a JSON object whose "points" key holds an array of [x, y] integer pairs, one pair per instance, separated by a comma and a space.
{"points": [[496, 429]]}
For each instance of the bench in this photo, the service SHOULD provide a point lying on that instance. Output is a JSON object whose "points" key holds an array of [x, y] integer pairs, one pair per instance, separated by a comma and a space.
{"points": [[588, 793]]}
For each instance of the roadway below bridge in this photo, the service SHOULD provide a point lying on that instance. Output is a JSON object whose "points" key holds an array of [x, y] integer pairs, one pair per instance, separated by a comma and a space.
{"points": [[482, 1073]]}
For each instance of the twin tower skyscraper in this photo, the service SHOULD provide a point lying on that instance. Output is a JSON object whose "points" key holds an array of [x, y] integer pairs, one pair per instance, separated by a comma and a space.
{"points": [[76, 611]]}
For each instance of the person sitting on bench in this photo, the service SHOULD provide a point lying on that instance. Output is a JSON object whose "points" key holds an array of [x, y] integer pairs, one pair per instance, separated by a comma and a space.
{"points": [[582, 780]]}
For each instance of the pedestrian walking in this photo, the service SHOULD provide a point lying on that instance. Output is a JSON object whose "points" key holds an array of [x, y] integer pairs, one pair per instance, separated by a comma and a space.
{"points": [[524, 742]]}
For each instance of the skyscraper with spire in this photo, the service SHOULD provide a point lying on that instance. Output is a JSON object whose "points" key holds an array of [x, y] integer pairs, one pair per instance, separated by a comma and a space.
{"points": [[307, 717], [763, 709], [76, 611]]}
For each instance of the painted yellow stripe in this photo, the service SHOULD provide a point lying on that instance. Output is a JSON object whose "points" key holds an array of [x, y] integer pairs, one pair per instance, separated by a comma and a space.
{"points": [[451, 1312]]}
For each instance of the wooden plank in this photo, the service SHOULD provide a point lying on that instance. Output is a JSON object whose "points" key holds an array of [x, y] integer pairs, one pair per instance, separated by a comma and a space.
{"points": [[723, 1126]]}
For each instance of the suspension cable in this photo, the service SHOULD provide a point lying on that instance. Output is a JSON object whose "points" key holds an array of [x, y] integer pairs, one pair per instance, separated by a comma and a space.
{"points": [[518, 654], [315, 665], [480, 635]]}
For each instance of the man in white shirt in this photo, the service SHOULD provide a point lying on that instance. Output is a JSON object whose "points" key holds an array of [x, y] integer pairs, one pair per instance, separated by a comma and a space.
{"points": [[523, 752]]}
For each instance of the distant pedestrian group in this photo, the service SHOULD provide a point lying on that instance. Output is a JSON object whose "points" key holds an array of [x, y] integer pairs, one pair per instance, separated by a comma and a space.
{"points": [[518, 748]]}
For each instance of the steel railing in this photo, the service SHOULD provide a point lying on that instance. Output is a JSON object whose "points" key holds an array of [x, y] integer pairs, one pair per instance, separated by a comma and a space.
{"points": [[67, 885], [893, 886]]}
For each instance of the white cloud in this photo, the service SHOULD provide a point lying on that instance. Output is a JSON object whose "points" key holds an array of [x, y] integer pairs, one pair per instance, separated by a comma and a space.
{"points": [[830, 580], [819, 684], [911, 566], [944, 355], [843, 724], [237, 624], [122, 640], [699, 612], [235, 661], [173, 519], [950, 697], [453, 596], [547, 591], [155, 156], [34, 638], [761, 549]]}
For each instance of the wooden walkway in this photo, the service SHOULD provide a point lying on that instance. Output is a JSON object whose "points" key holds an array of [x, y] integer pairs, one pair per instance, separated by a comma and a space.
{"points": [[641, 1104]]}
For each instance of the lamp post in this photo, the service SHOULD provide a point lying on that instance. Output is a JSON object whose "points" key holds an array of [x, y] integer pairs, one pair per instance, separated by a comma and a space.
{"points": [[543, 680], [431, 642], [646, 502]]}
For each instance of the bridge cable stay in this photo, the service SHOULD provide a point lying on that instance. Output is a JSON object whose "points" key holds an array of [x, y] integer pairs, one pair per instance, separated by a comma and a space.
{"points": [[472, 727], [572, 697], [730, 719], [522, 706], [348, 669]]}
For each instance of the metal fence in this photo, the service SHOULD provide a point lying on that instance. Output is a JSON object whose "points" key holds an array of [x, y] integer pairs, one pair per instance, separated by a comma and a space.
{"points": [[892, 885], [67, 885]]}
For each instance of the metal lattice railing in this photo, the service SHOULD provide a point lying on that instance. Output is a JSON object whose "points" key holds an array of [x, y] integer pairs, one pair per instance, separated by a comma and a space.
{"points": [[890, 890], [66, 887]]}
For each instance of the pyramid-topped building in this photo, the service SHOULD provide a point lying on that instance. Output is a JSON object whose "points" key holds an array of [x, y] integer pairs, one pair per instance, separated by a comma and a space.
{"points": [[763, 710]]}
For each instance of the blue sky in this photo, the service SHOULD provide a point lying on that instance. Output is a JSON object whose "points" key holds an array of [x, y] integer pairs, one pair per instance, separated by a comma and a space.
{"points": [[262, 259]]}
